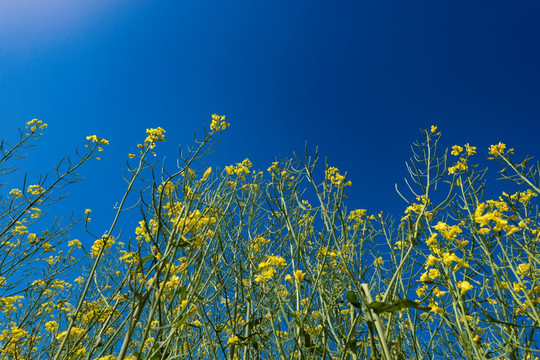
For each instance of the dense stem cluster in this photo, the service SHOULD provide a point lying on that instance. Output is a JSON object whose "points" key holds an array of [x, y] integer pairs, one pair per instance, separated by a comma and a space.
{"points": [[248, 264]]}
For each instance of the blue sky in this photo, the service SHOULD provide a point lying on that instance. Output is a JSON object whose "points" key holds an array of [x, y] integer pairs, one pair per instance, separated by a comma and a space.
{"points": [[358, 79]]}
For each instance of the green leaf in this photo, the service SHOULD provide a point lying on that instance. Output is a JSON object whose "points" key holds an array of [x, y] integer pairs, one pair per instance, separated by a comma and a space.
{"points": [[353, 299], [381, 307], [147, 258]]}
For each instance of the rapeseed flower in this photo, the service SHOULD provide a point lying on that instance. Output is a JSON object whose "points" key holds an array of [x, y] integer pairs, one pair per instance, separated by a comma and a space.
{"points": [[456, 150], [464, 286], [153, 136], [218, 123]]}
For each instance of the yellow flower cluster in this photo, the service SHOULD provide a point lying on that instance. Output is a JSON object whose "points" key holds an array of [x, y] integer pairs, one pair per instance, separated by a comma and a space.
{"points": [[16, 193], [154, 135], [35, 189], [335, 177], [9, 303], [498, 149], [464, 286], [496, 216], [240, 170], [145, 230], [523, 197], [267, 268], [456, 150], [357, 215], [75, 333], [218, 123], [273, 167], [96, 311], [233, 340], [523, 269], [194, 221], [461, 165], [51, 326], [129, 257], [12, 347], [430, 275], [447, 232], [19, 229], [35, 124], [435, 308], [97, 140], [75, 242], [104, 243]]}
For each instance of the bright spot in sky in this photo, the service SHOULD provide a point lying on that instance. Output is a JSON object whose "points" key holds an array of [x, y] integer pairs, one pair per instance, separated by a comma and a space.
{"points": [[27, 23]]}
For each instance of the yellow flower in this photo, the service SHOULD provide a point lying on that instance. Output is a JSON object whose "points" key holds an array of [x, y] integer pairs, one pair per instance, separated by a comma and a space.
{"points": [[105, 242], [218, 123], [484, 231], [431, 260], [32, 238], [421, 291], [433, 128], [435, 308], [95, 139], [464, 286], [241, 169], [75, 332], [518, 287], [16, 193], [51, 326], [432, 240], [80, 352], [153, 136], [206, 174], [448, 258], [523, 269], [425, 278], [456, 150], [35, 189], [299, 275], [438, 293], [471, 150], [434, 273], [460, 263], [497, 150], [510, 229], [461, 243], [448, 232], [335, 177], [75, 242], [108, 357], [277, 261], [34, 124], [233, 340]]}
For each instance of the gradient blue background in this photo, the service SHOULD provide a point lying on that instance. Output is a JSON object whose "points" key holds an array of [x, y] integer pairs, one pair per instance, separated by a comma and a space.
{"points": [[356, 78]]}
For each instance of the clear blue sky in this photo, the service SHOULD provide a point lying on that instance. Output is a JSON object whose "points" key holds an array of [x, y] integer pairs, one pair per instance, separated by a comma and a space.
{"points": [[356, 78]]}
